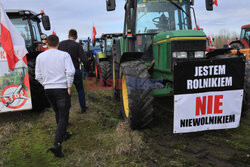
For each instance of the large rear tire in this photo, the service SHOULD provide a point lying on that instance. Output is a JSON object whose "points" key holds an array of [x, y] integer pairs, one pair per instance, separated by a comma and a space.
{"points": [[136, 94], [106, 72], [38, 97], [237, 45]]}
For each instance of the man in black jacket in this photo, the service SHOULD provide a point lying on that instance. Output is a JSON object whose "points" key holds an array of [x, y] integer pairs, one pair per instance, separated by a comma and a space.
{"points": [[77, 55]]}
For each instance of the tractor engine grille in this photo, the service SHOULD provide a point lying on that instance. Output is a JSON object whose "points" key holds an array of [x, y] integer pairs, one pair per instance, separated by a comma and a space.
{"points": [[189, 45]]}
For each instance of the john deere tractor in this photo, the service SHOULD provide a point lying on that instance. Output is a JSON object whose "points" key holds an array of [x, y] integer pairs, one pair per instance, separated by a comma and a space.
{"points": [[156, 34], [28, 24]]}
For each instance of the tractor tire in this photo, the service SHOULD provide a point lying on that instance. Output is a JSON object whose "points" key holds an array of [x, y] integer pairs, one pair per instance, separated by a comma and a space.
{"points": [[38, 97], [246, 96], [105, 72], [137, 101], [237, 45]]}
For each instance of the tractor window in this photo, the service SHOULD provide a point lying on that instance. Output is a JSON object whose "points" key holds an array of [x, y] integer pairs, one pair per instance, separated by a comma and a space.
{"points": [[98, 45], [245, 34], [155, 17], [181, 20], [242, 33], [248, 35], [109, 44], [36, 31], [22, 27], [144, 44]]}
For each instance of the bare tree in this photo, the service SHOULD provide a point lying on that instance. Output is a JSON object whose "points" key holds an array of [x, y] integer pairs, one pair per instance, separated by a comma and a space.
{"points": [[224, 37]]}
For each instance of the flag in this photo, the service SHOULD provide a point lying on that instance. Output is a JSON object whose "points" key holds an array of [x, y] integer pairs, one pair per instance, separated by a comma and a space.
{"points": [[210, 39], [11, 40], [93, 34], [216, 2], [53, 33]]}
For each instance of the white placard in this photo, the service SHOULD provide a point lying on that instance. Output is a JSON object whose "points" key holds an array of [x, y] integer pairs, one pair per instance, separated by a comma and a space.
{"points": [[207, 111]]}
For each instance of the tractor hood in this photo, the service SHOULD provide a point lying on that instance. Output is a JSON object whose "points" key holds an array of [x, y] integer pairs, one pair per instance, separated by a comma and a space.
{"points": [[179, 35]]}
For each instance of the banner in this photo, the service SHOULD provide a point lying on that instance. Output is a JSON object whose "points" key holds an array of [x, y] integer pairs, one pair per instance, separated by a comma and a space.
{"points": [[14, 78], [208, 94], [14, 86]]}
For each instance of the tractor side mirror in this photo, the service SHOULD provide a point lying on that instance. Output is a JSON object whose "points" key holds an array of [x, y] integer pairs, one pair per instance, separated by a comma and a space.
{"points": [[209, 5], [46, 22], [110, 5]]}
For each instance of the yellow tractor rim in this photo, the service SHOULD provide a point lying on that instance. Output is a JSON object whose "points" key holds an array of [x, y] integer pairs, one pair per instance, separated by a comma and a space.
{"points": [[113, 72], [125, 96]]}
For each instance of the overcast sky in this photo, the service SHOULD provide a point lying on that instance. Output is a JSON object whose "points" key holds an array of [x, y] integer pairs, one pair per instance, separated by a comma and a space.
{"points": [[82, 14]]}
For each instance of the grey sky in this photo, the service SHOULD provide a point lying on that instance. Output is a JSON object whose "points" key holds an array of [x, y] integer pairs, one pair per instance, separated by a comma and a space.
{"points": [[82, 14]]}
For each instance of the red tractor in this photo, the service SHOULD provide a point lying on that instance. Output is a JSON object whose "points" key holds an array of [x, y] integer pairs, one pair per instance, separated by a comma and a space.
{"points": [[209, 45], [244, 41]]}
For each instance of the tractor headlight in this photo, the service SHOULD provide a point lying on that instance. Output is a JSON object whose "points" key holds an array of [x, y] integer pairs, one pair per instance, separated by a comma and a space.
{"points": [[199, 54], [180, 55]]}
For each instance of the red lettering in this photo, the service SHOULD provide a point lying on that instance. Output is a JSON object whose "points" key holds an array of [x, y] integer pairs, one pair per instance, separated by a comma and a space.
{"points": [[207, 104], [2, 55], [200, 106], [210, 105], [91, 83], [217, 104]]}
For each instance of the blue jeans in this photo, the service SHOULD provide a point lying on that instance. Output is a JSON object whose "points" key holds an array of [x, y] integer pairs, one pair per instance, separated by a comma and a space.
{"points": [[79, 87]]}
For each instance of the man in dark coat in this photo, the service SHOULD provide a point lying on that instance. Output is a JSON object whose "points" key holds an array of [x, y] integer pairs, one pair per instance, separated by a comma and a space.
{"points": [[77, 55]]}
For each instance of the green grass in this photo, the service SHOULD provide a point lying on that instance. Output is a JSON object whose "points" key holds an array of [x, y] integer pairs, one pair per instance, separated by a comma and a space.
{"points": [[102, 138]]}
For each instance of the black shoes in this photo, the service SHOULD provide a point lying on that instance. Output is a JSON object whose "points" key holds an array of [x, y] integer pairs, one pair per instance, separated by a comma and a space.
{"points": [[67, 136], [56, 149], [84, 111]]}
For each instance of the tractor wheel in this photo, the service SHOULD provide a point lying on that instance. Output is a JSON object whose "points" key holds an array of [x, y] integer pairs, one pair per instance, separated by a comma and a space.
{"points": [[105, 72], [39, 99], [237, 45], [137, 98], [246, 96]]}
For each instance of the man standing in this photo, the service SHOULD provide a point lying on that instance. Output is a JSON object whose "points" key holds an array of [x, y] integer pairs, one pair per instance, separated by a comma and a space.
{"points": [[55, 71], [77, 54]]}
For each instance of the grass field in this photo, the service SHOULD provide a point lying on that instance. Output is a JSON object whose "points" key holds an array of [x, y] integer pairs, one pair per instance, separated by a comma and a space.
{"points": [[102, 138]]}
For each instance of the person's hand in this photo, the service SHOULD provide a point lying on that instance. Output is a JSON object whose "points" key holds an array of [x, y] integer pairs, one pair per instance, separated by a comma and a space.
{"points": [[69, 91]]}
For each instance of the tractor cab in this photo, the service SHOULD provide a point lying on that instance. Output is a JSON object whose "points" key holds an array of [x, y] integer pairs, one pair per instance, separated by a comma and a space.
{"points": [[154, 17], [98, 45], [27, 24], [108, 42], [245, 34]]}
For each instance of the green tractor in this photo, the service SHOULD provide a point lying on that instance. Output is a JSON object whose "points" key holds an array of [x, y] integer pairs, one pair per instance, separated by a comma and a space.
{"points": [[156, 34], [104, 58], [27, 24]]}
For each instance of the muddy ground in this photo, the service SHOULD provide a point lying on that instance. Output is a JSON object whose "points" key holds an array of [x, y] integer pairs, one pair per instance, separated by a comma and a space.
{"points": [[102, 138]]}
